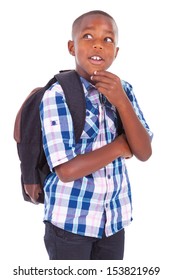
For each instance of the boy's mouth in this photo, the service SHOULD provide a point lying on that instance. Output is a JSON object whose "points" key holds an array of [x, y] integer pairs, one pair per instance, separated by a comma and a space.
{"points": [[96, 59]]}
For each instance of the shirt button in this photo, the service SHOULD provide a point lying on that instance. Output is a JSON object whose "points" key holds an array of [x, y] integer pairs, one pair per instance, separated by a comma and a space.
{"points": [[109, 176], [106, 205], [53, 122]]}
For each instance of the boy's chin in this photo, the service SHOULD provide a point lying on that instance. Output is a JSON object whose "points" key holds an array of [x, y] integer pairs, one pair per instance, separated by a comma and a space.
{"points": [[88, 73], [91, 71]]}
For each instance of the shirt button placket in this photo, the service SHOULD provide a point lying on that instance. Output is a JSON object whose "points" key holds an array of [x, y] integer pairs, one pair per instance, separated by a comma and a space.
{"points": [[107, 196]]}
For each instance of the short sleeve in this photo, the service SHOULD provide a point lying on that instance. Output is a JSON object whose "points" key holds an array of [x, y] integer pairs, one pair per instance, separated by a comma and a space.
{"points": [[129, 91], [57, 127]]}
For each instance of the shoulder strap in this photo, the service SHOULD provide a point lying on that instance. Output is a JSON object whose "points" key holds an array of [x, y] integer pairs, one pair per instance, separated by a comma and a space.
{"points": [[74, 93]]}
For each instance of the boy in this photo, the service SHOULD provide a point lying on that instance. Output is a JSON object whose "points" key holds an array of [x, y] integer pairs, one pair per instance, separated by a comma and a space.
{"points": [[88, 195]]}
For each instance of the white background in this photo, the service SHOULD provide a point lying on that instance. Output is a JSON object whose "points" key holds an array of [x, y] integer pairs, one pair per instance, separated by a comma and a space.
{"points": [[33, 48]]}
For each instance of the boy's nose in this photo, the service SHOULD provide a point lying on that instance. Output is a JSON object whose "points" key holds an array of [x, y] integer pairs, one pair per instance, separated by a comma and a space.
{"points": [[98, 46]]}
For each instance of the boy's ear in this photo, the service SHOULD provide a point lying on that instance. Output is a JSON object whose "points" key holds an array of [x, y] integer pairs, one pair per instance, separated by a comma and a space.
{"points": [[71, 47]]}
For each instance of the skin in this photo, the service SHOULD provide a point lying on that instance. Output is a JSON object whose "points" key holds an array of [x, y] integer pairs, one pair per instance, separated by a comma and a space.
{"points": [[96, 36]]}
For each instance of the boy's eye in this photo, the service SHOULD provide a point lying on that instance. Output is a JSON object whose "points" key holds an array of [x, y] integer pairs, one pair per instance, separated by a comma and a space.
{"points": [[108, 39], [87, 36]]}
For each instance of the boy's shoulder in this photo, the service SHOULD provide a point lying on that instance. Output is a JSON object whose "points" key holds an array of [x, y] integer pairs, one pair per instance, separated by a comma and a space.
{"points": [[56, 89], [128, 89], [53, 90], [126, 85]]}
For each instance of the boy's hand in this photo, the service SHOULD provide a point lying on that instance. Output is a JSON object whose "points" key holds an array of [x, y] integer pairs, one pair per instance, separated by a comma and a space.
{"points": [[109, 85], [125, 150]]}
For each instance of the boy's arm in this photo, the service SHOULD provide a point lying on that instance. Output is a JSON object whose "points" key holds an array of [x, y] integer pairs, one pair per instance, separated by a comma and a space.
{"points": [[137, 136], [85, 164]]}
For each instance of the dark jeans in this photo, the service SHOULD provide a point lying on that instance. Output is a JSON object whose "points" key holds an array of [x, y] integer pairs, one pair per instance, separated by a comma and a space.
{"points": [[64, 245]]}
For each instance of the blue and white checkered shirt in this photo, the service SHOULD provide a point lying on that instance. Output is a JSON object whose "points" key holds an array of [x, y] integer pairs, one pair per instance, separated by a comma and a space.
{"points": [[97, 202]]}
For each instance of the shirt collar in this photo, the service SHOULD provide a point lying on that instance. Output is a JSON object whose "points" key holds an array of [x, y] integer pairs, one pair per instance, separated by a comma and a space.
{"points": [[87, 90], [88, 86]]}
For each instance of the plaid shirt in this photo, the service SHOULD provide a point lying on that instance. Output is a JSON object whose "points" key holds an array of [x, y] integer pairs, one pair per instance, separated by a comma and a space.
{"points": [[97, 202]]}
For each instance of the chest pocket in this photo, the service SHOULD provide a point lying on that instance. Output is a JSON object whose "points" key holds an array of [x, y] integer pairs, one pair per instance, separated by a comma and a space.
{"points": [[91, 127], [111, 122]]}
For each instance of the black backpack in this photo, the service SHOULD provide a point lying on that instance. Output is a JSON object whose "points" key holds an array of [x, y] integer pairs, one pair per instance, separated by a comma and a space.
{"points": [[28, 135], [27, 130]]}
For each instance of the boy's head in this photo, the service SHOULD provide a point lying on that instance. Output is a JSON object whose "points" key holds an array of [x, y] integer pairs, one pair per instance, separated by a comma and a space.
{"points": [[94, 42]]}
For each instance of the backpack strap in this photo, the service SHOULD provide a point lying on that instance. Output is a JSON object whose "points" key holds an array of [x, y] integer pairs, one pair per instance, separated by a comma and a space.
{"points": [[74, 93]]}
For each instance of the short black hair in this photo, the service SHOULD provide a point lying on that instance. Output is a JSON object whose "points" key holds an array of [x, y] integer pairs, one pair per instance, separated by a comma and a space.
{"points": [[94, 12]]}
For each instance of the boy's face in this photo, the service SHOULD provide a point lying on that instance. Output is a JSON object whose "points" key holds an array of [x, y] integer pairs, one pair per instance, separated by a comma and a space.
{"points": [[94, 44]]}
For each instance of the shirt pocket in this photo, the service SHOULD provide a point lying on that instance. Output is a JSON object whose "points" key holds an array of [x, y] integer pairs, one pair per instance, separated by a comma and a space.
{"points": [[111, 122], [91, 127]]}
